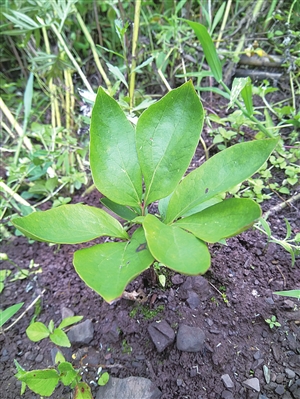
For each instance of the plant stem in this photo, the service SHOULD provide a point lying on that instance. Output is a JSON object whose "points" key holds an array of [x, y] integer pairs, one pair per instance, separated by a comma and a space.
{"points": [[137, 12], [69, 54], [93, 48]]}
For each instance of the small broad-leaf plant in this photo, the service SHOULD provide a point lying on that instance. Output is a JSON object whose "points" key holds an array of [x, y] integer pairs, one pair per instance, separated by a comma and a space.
{"points": [[134, 166]]}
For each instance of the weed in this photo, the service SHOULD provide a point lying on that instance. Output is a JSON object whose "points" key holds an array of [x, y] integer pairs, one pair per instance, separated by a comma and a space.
{"points": [[273, 322]]}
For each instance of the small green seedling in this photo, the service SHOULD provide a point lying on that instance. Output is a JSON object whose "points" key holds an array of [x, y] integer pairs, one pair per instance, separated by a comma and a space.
{"points": [[38, 331], [43, 382], [272, 322], [136, 166]]}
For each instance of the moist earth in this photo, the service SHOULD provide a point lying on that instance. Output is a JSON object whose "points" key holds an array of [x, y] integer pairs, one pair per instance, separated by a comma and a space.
{"points": [[240, 356]]}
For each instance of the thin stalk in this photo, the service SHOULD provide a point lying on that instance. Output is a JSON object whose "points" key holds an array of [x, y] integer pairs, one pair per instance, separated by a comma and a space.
{"points": [[68, 100], [137, 13], [227, 10], [93, 48], [251, 117], [15, 124], [69, 54], [14, 195]]}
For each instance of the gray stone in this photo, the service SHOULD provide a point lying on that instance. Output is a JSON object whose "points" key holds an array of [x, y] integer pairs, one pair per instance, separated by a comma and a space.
{"points": [[252, 383], [193, 300], [227, 381], [129, 388], [197, 284], [177, 279], [66, 312], [227, 395], [190, 339], [39, 358], [161, 334], [257, 355], [257, 363], [296, 394], [267, 374], [290, 373], [287, 395], [280, 378], [261, 396], [280, 390], [82, 333]]}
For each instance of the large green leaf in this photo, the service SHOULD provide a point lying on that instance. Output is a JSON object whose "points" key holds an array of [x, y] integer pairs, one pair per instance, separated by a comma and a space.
{"points": [[175, 248], [222, 220], [167, 135], [82, 391], [120, 210], [60, 338], [208, 49], [113, 155], [220, 173], [42, 382], [108, 268], [67, 373], [69, 224]]}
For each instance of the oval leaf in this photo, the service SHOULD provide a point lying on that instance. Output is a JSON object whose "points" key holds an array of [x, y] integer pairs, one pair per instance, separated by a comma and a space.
{"points": [[175, 248], [222, 220], [42, 382], [167, 134], [217, 175], [67, 373], [113, 155], [108, 268], [69, 224], [60, 338], [37, 331], [208, 49]]}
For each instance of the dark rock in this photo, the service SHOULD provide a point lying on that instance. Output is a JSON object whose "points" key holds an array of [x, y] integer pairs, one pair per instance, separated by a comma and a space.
{"points": [[190, 339], [82, 333], [280, 378], [177, 279], [193, 300], [39, 358], [280, 390], [129, 388], [197, 284], [161, 334], [257, 363], [66, 312]]}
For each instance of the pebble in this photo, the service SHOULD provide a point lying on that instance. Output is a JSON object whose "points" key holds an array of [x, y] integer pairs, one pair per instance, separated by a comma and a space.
{"points": [[257, 363], [66, 312], [280, 390], [190, 339], [227, 381], [290, 373], [257, 355], [81, 333], [39, 358], [162, 335], [252, 383], [193, 300], [227, 395], [280, 378]]}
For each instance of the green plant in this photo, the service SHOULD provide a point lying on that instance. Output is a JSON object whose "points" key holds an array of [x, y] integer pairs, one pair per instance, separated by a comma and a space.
{"points": [[290, 293], [272, 322], [38, 331], [43, 382], [9, 312], [136, 167]]}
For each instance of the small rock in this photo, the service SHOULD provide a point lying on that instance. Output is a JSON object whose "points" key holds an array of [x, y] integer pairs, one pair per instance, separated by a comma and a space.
{"points": [[280, 378], [161, 334], [257, 363], [190, 339], [227, 381], [227, 395], [129, 388], [177, 279], [288, 304], [66, 312], [287, 395], [82, 333], [267, 374], [280, 390], [252, 383], [290, 373], [257, 355], [261, 396], [276, 352], [39, 358], [193, 300], [179, 382]]}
